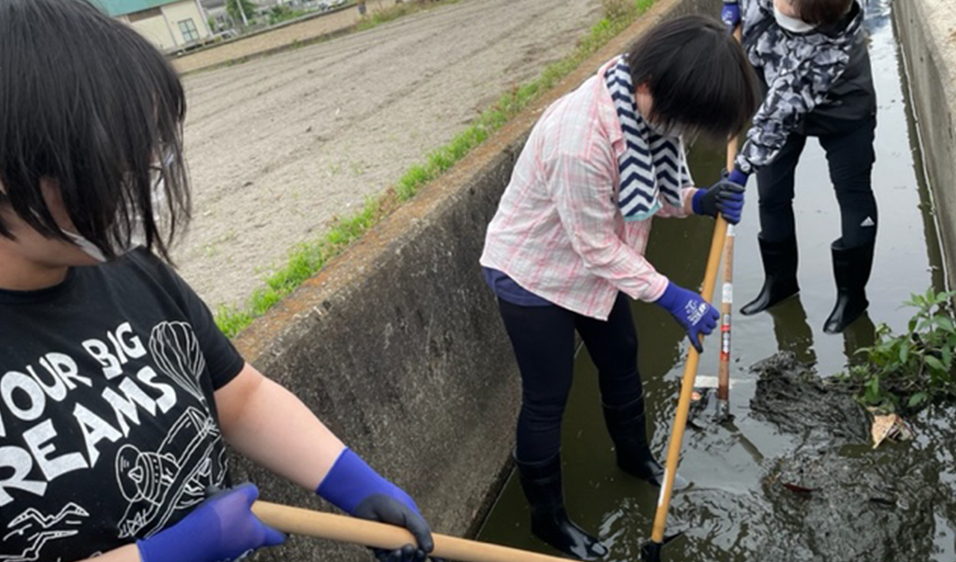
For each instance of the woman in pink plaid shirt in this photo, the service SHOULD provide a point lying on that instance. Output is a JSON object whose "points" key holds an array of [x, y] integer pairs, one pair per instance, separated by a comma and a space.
{"points": [[566, 247]]}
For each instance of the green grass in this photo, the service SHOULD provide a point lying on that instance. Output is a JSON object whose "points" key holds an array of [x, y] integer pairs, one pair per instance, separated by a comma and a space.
{"points": [[307, 259], [383, 15]]}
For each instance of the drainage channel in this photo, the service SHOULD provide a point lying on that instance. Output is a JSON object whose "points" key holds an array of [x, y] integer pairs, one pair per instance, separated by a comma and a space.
{"points": [[734, 511]]}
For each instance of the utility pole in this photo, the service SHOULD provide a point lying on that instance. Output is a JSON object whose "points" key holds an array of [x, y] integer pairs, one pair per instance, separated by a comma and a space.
{"points": [[242, 12]]}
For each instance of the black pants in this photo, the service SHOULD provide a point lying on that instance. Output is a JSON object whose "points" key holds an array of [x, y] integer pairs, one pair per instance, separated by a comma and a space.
{"points": [[543, 341], [850, 157]]}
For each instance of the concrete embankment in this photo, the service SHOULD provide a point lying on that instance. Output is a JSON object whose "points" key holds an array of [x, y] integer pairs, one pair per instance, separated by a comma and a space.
{"points": [[398, 347], [927, 29]]}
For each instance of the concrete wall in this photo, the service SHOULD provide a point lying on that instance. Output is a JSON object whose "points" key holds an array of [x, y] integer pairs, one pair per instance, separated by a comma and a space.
{"points": [[927, 29], [398, 346]]}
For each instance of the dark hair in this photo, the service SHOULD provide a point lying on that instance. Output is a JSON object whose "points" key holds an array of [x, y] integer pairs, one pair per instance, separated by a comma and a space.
{"points": [[698, 76], [821, 12], [90, 105]]}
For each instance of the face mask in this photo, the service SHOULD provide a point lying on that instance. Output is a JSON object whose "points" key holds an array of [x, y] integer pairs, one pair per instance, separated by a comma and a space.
{"points": [[790, 23], [137, 237], [666, 131], [90, 248]]}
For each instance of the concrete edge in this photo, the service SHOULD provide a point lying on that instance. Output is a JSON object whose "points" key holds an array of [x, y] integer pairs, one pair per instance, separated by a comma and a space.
{"points": [[927, 32], [273, 51]]}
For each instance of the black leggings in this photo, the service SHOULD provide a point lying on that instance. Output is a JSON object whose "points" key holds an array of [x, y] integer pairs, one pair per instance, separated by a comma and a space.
{"points": [[543, 341], [850, 157]]}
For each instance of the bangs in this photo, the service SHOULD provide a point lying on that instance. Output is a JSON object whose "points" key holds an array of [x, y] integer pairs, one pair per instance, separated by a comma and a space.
{"points": [[698, 76]]}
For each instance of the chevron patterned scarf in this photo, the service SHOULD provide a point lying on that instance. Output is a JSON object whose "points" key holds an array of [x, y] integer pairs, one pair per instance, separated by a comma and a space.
{"points": [[652, 167]]}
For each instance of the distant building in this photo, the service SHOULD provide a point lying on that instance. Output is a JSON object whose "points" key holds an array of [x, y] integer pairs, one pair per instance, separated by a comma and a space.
{"points": [[172, 25], [216, 10]]}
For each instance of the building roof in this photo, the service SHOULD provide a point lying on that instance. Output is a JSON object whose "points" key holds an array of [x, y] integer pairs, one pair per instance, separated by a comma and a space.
{"points": [[123, 7]]}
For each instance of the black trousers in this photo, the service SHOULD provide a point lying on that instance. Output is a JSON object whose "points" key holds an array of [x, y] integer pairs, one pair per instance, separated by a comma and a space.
{"points": [[850, 157], [543, 342]]}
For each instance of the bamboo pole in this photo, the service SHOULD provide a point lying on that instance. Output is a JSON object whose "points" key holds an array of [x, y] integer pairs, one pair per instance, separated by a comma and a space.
{"points": [[340, 528]]}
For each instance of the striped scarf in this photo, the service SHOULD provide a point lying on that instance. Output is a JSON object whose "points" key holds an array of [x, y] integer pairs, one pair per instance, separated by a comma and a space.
{"points": [[651, 165]]}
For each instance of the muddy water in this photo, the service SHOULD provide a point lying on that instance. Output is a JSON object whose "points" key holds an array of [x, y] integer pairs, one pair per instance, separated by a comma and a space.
{"points": [[734, 510]]}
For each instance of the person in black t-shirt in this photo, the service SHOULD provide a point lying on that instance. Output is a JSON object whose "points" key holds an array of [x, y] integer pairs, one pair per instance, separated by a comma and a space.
{"points": [[117, 390]]}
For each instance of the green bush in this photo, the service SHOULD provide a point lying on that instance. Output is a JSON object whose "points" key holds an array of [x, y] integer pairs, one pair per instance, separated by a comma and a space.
{"points": [[907, 372]]}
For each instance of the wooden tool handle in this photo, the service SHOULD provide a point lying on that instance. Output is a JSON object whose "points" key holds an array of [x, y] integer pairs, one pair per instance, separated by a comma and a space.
{"points": [[340, 528], [726, 313], [727, 296], [687, 390], [690, 368]]}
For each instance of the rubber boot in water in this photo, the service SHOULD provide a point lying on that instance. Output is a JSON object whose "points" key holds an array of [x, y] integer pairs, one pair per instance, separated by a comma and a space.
{"points": [[851, 270], [542, 486], [628, 428], [780, 275]]}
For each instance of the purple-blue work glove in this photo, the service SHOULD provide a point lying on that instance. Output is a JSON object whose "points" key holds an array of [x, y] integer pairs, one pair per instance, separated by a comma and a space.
{"points": [[221, 528], [725, 197], [354, 487], [691, 311], [730, 15]]}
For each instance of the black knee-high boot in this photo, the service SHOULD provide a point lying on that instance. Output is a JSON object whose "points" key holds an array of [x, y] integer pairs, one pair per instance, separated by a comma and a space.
{"points": [[541, 482], [780, 275], [628, 428], [851, 271]]}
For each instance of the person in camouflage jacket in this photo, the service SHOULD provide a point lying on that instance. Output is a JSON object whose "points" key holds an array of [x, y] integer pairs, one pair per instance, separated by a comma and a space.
{"points": [[812, 59]]}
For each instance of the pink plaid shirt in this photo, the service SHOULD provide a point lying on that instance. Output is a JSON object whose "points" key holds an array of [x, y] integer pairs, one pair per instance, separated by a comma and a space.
{"points": [[558, 231]]}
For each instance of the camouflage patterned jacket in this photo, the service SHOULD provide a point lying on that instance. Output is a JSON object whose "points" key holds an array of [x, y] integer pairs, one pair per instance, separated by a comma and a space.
{"points": [[814, 83]]}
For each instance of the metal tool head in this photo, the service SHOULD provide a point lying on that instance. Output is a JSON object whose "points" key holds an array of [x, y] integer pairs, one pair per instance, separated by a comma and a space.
{"points": [[707, 409], [651, 552]]}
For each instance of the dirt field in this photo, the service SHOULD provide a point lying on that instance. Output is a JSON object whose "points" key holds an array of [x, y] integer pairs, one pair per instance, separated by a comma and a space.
{"points": [[277, 38], [279, 146]]}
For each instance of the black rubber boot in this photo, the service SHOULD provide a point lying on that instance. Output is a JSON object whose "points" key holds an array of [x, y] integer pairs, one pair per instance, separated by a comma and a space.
{"points": [[628, 428], [851, 270], [542, 486], [780, 275]]}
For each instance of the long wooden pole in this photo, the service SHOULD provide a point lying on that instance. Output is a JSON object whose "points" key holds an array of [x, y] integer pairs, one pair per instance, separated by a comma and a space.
{"points": [[687, 390], [687, 384], [339, 528], [727, 299]]}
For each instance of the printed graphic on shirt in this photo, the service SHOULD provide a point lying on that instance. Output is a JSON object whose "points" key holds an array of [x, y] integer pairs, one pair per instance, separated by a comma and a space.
{"points": [[159, 483], [31, 530], [176, 351], [114, 440]]}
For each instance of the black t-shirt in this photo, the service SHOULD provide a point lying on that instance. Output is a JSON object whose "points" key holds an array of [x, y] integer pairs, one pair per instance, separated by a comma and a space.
{"points": [[108, 426]]}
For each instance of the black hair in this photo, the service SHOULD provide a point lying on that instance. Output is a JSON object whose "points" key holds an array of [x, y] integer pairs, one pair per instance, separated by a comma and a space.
{"points": [[88, 104], [822, 13], [697, 75]]}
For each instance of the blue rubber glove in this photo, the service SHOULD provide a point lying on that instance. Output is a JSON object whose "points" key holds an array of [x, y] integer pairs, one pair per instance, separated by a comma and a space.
{"points": [[725, 197], [221, 528], [355, 488], [730, 15], [691, 311]]}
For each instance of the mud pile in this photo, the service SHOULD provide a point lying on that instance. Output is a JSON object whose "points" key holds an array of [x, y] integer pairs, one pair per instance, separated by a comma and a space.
{"points": [[836, 497], [832, 497]]}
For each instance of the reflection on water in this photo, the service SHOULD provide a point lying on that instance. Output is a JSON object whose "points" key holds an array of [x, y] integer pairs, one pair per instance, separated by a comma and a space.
{"points": [[720, 514], [792, 331]]}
